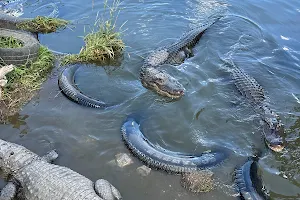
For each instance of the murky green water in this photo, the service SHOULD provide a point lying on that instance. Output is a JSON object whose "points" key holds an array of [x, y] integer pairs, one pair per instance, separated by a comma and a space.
{"points": [[262, 37]]}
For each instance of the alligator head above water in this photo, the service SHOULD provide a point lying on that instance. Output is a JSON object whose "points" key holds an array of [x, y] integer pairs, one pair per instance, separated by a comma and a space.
{"points": [[161, 82], [173, 54], [273, 131]]}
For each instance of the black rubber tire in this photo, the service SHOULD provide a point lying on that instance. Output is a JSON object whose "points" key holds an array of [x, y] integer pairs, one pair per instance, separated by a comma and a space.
{"points": [[19, 56], [10, 22]]}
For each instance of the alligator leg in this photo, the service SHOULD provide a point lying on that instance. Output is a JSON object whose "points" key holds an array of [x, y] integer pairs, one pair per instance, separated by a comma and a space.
{"points": [[178, 58], [106, 190], [188, 52], [50, 156], [8, 192]]}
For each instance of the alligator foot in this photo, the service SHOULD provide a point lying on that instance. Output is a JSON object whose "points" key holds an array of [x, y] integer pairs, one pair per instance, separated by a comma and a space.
{"points": [[106, 190], [8, 192], [188, 52], [50, 156]]}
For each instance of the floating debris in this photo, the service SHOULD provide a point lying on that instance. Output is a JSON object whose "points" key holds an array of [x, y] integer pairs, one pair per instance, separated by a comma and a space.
{"points": [[196, 182]]}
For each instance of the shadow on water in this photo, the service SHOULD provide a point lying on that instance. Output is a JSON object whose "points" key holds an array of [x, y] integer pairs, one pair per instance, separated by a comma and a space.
{"points": [[212, 112]]}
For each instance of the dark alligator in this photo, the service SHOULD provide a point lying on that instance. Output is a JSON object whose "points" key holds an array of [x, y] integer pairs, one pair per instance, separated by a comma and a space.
{"points": [[248, 183], [67, 84], [33, 177], [158, 80], [254, 92], [159, 158]]}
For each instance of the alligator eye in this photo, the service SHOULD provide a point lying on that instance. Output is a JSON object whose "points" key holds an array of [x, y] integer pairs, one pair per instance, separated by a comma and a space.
{"points": [[160, 79]]}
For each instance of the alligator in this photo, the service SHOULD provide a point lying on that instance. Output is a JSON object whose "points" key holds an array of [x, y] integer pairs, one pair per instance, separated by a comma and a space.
{"points": [[254, 92], [160, 81], [33, 177], [248, 183], [160, 158]]}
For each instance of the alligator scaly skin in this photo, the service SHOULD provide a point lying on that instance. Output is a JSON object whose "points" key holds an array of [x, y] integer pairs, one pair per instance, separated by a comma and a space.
{"points": [[173, 54], [34, 178], [254, 93], [178, 51]]}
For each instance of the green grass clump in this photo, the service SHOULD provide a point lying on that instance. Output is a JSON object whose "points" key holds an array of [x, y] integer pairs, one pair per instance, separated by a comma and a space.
{"points": [[23, 83], [42, 24], [10, 42], [99, 46], [104, 44]]}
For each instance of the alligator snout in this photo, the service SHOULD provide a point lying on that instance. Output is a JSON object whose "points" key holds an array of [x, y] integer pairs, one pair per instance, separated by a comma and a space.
{"points": [[275, 141]]}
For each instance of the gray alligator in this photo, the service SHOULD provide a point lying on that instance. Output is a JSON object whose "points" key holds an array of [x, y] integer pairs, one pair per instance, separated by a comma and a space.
{"points": [[158, 80], [169, 161], [254, 92], [33, 177]]}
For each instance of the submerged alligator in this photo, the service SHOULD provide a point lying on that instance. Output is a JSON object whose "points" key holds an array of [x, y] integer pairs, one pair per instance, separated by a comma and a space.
{"points": [[159, 158], [158, 80], [33, 177], [254, 92], [248, 182]]}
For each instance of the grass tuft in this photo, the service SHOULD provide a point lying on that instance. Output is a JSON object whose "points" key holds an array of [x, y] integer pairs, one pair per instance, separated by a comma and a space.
{"points": [[10, 42], [23, 83], [102, 44], [42, 24]]}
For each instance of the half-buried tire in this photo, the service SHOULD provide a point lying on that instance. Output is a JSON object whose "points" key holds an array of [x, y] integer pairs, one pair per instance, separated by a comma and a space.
{"points": [[21, 55], [67, 85], [159, 158]]}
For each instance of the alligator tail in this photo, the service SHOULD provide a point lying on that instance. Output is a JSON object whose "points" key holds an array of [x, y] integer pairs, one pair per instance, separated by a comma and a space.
{"points": [[159, 158]]}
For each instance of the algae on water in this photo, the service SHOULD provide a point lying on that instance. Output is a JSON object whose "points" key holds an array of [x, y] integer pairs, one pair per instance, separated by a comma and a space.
{"points": [[10, 42], [42, 24], [23, 83]]}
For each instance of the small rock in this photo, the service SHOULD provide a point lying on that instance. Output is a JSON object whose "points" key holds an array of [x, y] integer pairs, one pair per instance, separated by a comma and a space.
{"points": [[112, 163], [196, 182], [5, 69], [123, 159], [143, 170]]}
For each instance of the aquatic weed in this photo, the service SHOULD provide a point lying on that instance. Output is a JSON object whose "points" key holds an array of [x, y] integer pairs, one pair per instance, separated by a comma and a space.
{"points": [[42, 24], [102, 44], [23, 83], [10, 42]]}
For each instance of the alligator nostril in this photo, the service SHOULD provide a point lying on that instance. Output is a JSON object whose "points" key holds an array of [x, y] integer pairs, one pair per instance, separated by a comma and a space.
{"points": [[12, 153]]}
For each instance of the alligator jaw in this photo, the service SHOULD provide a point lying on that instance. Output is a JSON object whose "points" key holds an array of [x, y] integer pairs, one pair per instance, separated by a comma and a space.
{"points": [[276, 148], [173, 95]]}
